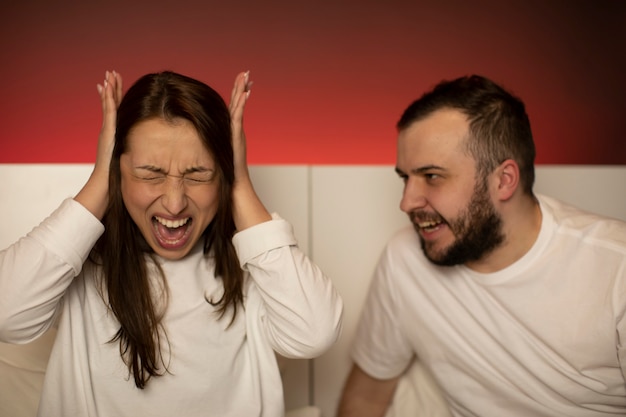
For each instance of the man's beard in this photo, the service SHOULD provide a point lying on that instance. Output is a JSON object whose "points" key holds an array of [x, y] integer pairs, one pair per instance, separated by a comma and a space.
{"points": [[478, 231]]}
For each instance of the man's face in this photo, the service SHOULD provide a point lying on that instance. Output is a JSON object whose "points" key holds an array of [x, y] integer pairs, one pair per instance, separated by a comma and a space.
{"points": [[169, 185], [451, 210]]}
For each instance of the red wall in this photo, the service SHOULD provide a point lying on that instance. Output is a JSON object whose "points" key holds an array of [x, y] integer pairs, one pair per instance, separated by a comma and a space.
{"points": [[330, 77]]}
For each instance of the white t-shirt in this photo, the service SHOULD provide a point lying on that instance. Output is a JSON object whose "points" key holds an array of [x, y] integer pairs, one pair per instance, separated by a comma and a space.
{"points": [[545, 336], [215, 368]]}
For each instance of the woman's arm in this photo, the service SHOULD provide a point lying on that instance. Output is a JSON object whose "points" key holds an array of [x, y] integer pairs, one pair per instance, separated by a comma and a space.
{"points": [[301, 311], [94, 194], [248, 210], [36, 270]]}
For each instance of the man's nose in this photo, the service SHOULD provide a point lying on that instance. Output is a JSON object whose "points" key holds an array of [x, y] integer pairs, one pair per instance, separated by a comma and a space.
{"points": [[413, 196]]}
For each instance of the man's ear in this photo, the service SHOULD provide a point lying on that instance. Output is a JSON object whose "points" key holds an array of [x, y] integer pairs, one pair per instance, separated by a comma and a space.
{"points": [[507, 179]]}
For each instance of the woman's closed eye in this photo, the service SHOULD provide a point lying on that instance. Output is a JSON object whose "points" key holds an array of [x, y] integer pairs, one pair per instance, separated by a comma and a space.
{"points": [[150, 177], [149, 174], [201, 177], [192, 176]]}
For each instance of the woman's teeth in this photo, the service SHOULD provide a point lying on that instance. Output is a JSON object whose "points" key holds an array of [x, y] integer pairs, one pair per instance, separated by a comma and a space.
{"points": [[172, 224]]}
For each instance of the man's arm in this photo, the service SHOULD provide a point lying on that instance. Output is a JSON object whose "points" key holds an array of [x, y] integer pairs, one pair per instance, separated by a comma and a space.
{"points": [[365, 396]]}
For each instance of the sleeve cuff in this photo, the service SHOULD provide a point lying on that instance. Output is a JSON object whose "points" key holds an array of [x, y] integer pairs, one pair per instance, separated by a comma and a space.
{"points": [[263, 237]]}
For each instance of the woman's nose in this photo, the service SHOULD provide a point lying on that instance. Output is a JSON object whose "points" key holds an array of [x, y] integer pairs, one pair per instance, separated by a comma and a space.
{"points": [[174, 198]]}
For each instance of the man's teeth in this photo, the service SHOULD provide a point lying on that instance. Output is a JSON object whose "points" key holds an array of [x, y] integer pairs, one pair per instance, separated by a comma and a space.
{"points": [[426, 225], [172, 224]]}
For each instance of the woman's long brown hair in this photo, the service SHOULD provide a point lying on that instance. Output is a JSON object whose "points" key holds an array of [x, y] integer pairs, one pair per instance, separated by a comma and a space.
{"points": [[122, 249]]}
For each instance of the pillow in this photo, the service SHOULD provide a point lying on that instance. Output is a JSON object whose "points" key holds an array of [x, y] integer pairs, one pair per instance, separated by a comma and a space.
{"points": [[22, 368]]}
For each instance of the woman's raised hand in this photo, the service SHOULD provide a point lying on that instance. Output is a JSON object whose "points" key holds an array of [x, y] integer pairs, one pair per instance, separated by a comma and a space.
{"points": [[94, 194], [238, 98], [248, 208], [110, 97]]}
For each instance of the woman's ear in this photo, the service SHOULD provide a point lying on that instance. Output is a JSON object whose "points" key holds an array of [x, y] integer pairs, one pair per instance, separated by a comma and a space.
{"points": [[507, 177]]}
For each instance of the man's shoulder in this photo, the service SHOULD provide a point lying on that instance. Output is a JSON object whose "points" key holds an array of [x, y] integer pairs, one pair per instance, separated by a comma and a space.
{"points": [[585, 224]]}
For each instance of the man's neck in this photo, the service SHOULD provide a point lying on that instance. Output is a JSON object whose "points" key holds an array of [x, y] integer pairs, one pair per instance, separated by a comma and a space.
{"points": [[522, 224]]}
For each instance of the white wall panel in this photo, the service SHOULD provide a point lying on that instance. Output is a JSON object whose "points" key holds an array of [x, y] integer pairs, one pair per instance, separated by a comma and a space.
{"points": [[600, 189], [285, 190], [31, 192], [342, 216], [355, 211]]}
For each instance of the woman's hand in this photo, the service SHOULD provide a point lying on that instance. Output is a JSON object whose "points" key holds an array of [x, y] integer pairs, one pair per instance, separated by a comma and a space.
{"points": [[238, 98], [248, 208], [94, 194], [110, 97]]}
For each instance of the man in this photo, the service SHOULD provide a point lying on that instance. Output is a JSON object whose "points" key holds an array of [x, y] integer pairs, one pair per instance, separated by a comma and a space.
{"points": [[515, 303]]}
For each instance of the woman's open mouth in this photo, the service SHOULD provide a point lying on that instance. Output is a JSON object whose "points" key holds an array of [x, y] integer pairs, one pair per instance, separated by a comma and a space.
{"points": [[172, 234]]}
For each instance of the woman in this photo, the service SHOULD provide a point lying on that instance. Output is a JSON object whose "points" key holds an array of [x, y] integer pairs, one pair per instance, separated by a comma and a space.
{"points": [[172, 284]]}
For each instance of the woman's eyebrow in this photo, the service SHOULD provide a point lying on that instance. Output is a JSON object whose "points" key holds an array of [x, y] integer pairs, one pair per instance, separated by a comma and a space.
{"points": [[198, 169], [190, 170], [152, 168]]}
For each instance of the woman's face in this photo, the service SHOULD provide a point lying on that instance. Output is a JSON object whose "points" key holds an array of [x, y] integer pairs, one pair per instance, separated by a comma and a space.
{"points": [[170, 185]]}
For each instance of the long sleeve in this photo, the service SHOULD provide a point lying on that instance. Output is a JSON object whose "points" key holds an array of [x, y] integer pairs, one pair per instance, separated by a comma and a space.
{"points": [[301, 312], [36, 270]]}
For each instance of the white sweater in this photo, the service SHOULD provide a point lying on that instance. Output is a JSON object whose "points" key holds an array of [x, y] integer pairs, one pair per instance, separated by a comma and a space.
{"points": [[214, 369]]}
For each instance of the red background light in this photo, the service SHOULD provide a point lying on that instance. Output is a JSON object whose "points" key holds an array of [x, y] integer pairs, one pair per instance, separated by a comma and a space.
{"points": [[331, 78]]}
